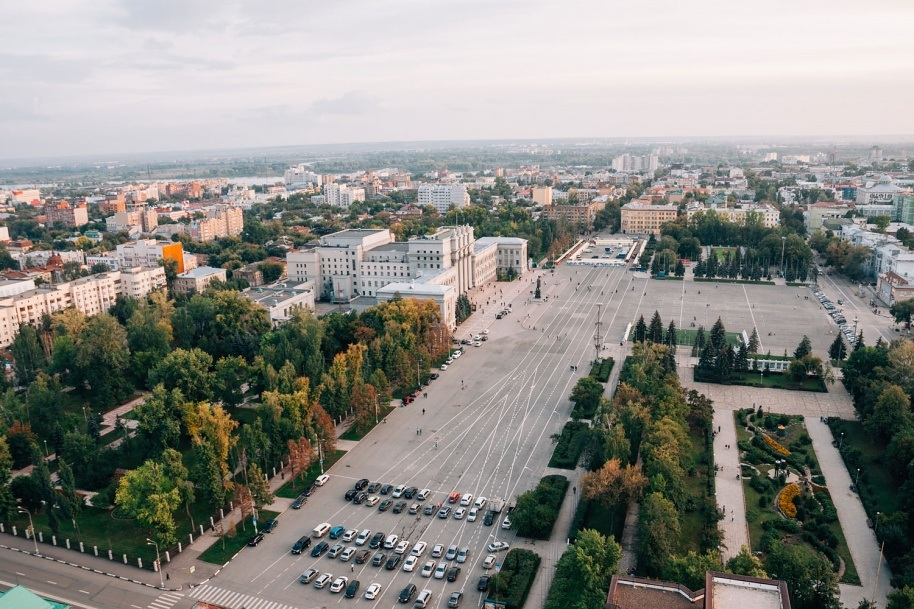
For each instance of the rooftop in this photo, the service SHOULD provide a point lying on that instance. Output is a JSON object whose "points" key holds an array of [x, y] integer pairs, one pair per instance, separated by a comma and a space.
{"points": [[201, 271], [408, 290], [23, 598]]}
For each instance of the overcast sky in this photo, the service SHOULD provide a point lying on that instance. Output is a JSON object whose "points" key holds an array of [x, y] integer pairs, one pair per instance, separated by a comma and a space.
{"points": [[111, 76]]}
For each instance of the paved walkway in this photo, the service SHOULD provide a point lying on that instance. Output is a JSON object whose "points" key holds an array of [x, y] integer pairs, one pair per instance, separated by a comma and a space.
{"points": [[730, 499], [861, 540]]}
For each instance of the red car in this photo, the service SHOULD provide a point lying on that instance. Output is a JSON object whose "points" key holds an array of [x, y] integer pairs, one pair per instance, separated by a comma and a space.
{"points": [[453, 498]]}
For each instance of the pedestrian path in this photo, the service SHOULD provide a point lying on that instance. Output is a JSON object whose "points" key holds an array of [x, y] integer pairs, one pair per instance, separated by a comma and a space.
{"points": [[730, 499], [166, 601], [232, 600]]}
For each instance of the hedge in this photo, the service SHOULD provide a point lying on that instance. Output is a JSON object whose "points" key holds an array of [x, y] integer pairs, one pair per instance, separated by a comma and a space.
{"points": [[537, 510], [569, 446], [602, 369], [725, 280], [513, 581]]}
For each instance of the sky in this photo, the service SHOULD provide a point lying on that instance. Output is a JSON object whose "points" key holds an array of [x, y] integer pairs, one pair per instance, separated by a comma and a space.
{"points": [[94, 77]]}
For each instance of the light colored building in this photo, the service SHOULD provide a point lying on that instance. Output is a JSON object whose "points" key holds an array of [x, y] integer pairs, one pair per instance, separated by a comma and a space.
{"points": [[443, 296], [301, 176], [881, 192], [282, 298], [70, 216], [641, 219], [220, 221], [197, 280], [143, 218], [542, 195], [443, 196], [816, 214], [29, 196], [511, 253], [892, 288], [139, 281], [96, 293], [721, 591], [768, 214], [579, 213], [148, 252], [340, 195]]}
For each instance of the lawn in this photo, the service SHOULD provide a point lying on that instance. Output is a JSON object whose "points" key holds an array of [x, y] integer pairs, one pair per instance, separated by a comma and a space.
{"points": [[692, 522], [722, 252], [773, 380], [879, 488], [352, 434], [293, 488], [227, 546]]}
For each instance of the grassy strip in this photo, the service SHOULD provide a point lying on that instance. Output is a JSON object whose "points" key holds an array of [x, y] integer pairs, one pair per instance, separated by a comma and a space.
{"points": [[773, 380], [293, 488], [352, 434], [666, 278], [726, 280], [232, 542]]}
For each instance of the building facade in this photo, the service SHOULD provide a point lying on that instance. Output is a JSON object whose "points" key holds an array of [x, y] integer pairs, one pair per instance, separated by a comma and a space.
{"points": [[282, 298], [340, 195], [197, 280], [642, 219], [70, 216], [443, 196]]}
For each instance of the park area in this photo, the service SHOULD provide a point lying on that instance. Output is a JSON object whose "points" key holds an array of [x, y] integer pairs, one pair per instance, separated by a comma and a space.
{"points": [[786, 496]]}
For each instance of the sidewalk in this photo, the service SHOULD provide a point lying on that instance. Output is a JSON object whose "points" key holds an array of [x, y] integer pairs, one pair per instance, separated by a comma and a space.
{"points": [[731, 501], [861, 541]]}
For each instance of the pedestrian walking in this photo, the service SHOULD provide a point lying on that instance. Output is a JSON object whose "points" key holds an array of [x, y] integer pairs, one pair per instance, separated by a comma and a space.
{"points": [[423, 410], [417, 431]]}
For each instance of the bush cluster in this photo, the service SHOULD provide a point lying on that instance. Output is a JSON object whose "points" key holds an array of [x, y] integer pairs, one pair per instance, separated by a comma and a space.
{"points": [[513, 581]]}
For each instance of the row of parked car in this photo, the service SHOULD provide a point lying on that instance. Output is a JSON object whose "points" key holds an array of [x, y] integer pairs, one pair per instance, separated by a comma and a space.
{"points": [[469, 507], [838, 316]]}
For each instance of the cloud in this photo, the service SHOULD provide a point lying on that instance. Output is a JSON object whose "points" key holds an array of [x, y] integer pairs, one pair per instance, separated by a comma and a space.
{"points": [[350, 103]]}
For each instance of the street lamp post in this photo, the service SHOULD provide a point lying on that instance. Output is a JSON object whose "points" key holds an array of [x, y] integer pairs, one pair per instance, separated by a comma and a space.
{"points": [[841, 442], [150, 542], [856, 480], [32, 527], [876, 524], [47, 454], [783, 244]]}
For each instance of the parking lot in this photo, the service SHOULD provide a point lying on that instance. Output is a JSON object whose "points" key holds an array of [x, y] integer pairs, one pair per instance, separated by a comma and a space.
{"points": [[487, 424]]}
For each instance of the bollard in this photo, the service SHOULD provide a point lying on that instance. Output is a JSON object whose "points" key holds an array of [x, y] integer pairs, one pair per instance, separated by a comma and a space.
{"points": [[167, 556], [139, 561], [68, 543], [2, 530], [191, 535], [274, 472], [231, 507], [41, 536], [54, 539], [180, 549], [201, 530], [155, 566], [14, 531], [125, 559], [221, 514], [110, 554], [95, 549], [81, 548], [212, 524]]}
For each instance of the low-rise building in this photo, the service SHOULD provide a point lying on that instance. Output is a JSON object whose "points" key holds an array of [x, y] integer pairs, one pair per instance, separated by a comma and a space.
{"points": [[139, 281], [721, 591], [818, 213], [581, 213], [892, 288], [198, 279], [769, 216], [140, 217], [642, 219], [443, 295], [340, 195], [282, 298]]}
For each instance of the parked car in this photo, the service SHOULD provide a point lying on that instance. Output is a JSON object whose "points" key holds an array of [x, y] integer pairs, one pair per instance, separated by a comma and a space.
{"points": [[301, 545], [399, 507], [338, 584], [398, 492], [407, 593], [385, 505], [483, 584], [498, 546], [308, 576], [362, 484], [402, 547], [350, 535], [506, 523], [451, 553], [391, 541], [337, 532], [256, 539], [444, 512], [379, 559], [320, 549], [441, 571], [352, 589], [472, 514], [360, 498], [410, 565], [428, 569], [376, 540], [489, 561], [489, 519], [350, 494], [423, 494], [453, 574], [322, 479], [347, 554], [336, 550], [386, 489], [374, 487], [270, 525], [463, 554], [414, 508], [419, 548], [410, 492], [323, 580], [362, 557], [459, 513], [373, 591], [454, 601], [299, 501], [453, 498], [392, 562], [429, 509]]}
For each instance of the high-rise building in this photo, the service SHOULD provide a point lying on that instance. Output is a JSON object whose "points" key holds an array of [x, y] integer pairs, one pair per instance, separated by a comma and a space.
{"points": [[70, 216], [220, 221], [542, 195], [340, 195], [442, 196]]}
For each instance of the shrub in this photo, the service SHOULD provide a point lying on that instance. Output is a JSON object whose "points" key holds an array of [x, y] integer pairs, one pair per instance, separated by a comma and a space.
{"points": [[513, 581], [602, 370], [776, 446], [785, 501], [538, 509], [569, 445]]}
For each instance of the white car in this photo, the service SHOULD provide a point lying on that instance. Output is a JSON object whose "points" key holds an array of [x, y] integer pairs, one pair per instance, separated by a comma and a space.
{"points": [[441, 571], [463, 555], [442, 367], [477, 344], [362, 539], [459, 513], [350, 535], [428, 569], [398, 492], [423, 494], [323, 580], [372, 501], [438, 550], [340, 583], [489, 561], [373, 591], [456, 354], [322, 480], [402, 547], [480, 502], [391, 541], [477, 337], [451, 553], [471, 515], [486, 331], [506, 523], [419, 548], [466, 499], [498, 546], [410, 565]]}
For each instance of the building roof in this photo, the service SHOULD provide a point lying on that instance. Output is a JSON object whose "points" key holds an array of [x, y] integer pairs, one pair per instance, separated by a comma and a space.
{"points": [[23, 598], [502, 240], [724, 590], [638, 593], [633, 206], [201, 271], [408, 290]]}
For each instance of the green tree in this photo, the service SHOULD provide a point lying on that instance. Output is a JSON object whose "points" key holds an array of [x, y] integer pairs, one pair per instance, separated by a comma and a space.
{"points": [[718, 335], [690, 569], [672, 339], [7, 501], [159, 419], [28, 355], [838, 349], [640, 330], [658, 532], [882, 223], [680, 269], [43, 401], [902, 598], [902, 311], [892, 411], [71, 504], [745, 563], [186, 370], [583, 573], [655, 330], [810, 576], [49, 497], [151, 497], [803, 349], [102, 357], [258, 486], [753, 341], [171, 271], [230, 376], [586, 395]]}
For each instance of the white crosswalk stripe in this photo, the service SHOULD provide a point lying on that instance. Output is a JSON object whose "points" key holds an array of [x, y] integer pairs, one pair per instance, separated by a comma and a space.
{"points": [[166, 600], [230, 599]]}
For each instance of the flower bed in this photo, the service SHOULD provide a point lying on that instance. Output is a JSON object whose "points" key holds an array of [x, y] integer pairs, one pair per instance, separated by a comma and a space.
{"points": [[776, 446], [785, 501]]}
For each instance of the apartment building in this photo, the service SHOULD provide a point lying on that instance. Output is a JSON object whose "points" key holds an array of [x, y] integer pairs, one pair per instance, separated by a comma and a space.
{"points": [[815, 215], [68, 215], [542, 195], [139, 217], [578, 213], [220, 221], [340, 195], [443, 196], [197, 280], [510, 254], [301, 176], [148, 252], [737, 214], [643, 219], [139, 281]]}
